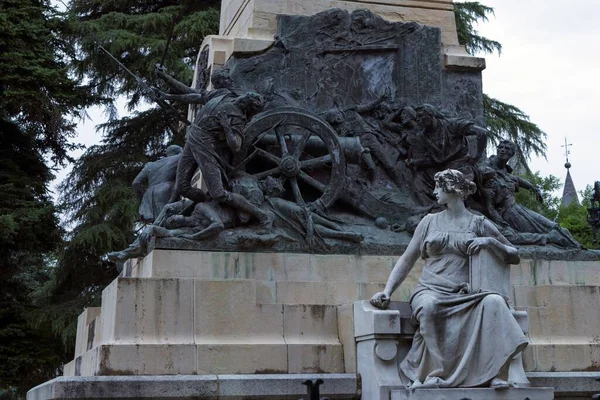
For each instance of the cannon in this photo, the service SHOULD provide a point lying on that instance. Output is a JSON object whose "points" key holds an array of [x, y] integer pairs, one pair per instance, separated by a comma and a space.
{"points": [[288, 142]]}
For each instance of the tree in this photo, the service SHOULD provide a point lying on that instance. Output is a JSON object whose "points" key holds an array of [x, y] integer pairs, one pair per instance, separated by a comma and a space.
{"points": [[574, 218], [549, 185], [38, 101], [504, 121], [96, 196]]}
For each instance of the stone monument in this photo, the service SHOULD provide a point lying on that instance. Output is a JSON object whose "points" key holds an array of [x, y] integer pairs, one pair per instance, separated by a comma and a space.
{"points": [[309, 166]]}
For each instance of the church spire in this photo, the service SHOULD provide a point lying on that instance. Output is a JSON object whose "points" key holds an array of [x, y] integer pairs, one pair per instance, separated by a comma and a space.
{"points": [[569, 193]]}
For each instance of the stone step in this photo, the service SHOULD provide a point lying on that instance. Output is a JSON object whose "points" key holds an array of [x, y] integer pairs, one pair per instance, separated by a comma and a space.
{"points": [[198, 387], [215, 358], [474, 394]]}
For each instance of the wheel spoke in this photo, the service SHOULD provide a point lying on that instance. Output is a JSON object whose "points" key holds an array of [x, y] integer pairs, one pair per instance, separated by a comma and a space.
{"points": [[302, 144], [264, 174], [315, 162], [268, 156], [296, 191], [312, 181], [282, 143]]}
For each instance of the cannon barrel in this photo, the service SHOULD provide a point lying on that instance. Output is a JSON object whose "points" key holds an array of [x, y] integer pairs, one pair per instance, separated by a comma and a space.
{"points": [[354, 152]]}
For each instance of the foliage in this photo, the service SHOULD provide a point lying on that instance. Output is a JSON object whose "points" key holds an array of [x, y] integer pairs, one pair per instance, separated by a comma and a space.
{"points": [[549, 185], [574, 218], [38, 102], [36, 91], [468, 14], [29, 237], [504, 121]]}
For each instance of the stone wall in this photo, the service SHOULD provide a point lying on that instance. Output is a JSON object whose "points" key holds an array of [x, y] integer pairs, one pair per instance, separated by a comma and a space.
{"points": [[198, 312], [258, 18]]}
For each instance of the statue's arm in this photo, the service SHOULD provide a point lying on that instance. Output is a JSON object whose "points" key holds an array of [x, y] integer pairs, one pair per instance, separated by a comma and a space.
{"points": [[172, 83], [499, 244], [530, 186], [138, 183], [406, 261], [189, 98], [233, 131]]}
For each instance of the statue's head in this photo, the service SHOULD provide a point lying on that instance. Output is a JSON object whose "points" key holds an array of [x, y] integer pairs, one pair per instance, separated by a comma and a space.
{"points": [[506, 150], [252, 102], [247, 186], [272, 187], [360, 18], [454, 183], [427, 116], [408, 114], [173, 150], [334, 116], [382, 111], [221, 79]]}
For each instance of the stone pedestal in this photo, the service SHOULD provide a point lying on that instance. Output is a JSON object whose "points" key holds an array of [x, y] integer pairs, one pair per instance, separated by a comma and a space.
{"points": [[258, 18], [196, 315]]}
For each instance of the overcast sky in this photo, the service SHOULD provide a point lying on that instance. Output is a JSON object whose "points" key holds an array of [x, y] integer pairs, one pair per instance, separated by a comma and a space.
{"points": [[549, 67]]}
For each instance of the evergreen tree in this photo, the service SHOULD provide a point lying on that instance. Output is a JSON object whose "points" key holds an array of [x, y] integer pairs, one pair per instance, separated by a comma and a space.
{"points": [[504, 121], [38, 101], [549, 185], [97, 195], [574, 218]]}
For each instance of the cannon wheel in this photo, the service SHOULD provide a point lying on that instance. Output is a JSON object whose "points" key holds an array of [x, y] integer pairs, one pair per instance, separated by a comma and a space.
{"points": [[286, 158]]}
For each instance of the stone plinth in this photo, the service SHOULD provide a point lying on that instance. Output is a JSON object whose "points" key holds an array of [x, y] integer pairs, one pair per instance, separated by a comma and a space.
{"points": [[258, 18], [200, 312], [203, 387]]}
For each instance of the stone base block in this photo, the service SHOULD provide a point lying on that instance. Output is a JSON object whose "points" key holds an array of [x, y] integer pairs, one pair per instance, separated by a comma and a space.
{"points": [[568, 385], [243, 358], [474, 394], [197, 387], [159, 359]]}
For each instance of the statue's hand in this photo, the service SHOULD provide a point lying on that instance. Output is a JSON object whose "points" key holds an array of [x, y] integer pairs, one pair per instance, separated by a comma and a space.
{"points": [[381, 300], [478, 244], [539, 195]]}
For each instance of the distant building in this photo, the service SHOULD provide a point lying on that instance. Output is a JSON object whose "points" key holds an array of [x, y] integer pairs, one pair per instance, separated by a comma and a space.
{"points": [[569, 193]]}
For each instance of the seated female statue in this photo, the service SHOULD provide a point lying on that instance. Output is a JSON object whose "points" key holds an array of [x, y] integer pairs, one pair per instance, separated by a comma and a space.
{"points": [[463, 339]]}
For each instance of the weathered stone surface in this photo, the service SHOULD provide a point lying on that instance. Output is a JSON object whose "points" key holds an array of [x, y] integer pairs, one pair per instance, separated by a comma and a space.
{"points": [[148, 311], [84, 334], [227, 312], [200, 387], [346, 334], [145, 359], [243, 358], [240, 18]]}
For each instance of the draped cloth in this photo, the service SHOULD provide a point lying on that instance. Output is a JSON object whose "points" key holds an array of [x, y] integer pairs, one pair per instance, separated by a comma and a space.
{"points": [[462, 339]]}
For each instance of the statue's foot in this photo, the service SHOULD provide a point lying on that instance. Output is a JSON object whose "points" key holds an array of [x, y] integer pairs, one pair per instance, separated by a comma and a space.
{"points": [[498, 383], [358, 238], [416, 385], [116, 256]]}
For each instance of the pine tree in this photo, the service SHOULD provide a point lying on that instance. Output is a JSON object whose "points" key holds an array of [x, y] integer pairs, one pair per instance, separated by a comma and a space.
{"points": [[504, 121], [38, 101]]}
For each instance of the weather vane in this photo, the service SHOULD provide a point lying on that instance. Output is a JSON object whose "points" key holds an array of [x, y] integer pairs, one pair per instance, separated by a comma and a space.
{"points": [[567, 152]]}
